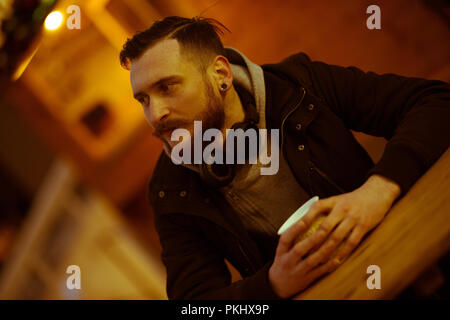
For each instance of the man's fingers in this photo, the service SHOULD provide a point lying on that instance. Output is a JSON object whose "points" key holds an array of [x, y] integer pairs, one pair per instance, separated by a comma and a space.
{"points": [[317, 208], [300, 249], [332, 265], [328, 224], [323, 254], [325, 251], [351, 243], [316, 273], [334, 240], [287, 238]]}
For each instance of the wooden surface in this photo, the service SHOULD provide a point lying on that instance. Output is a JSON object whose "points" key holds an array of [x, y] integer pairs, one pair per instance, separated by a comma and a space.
{"points": [[411, 238]]}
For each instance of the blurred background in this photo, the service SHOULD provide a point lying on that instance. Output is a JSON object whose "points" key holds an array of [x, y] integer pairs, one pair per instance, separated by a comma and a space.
{"points": [[76, 153]]}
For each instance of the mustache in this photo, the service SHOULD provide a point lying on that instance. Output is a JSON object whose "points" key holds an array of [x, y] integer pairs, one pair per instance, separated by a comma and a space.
{"points": [[168, 125]]}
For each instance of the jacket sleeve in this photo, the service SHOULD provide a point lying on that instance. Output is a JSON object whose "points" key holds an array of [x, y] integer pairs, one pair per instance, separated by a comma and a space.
{"points": [[196, 270], [412, 113]]}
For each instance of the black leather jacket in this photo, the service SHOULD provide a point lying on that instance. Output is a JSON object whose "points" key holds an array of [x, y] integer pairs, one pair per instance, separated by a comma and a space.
{"points": [[314, 105]]}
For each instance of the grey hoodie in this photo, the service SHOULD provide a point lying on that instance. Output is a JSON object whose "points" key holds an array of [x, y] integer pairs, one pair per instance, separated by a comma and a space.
{"points": [[263, 202]]}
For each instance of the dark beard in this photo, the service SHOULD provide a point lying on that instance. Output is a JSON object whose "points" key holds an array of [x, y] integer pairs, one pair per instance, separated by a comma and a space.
{"points": [[212, 117]]}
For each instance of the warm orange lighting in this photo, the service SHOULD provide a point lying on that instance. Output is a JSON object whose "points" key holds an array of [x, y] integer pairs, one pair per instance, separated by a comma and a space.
{"points": [[24, 64], [53, 20]]}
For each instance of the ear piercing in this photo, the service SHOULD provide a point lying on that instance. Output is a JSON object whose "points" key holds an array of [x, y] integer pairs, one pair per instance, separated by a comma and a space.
{"points": [[223, 87]]}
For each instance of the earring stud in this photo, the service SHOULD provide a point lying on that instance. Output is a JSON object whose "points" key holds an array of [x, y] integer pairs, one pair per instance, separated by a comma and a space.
{"points": [[223, 86]]}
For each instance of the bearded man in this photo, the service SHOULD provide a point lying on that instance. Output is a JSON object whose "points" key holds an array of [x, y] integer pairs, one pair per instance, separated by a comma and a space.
{"points": [[180, 73]]}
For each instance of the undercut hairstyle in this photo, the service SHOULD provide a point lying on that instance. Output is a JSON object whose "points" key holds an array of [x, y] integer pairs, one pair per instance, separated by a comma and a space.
{"points": [[198, 38]]}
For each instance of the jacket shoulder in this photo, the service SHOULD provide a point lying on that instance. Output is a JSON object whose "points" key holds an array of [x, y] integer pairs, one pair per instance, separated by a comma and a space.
{"points": [[294, 68]]}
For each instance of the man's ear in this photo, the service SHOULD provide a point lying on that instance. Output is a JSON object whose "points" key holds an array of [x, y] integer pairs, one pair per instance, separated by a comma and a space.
{"points": [[221, 71]]}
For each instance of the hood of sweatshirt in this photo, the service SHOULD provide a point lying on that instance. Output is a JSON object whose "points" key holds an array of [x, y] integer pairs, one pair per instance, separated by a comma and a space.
{"points": [[251, 77]]}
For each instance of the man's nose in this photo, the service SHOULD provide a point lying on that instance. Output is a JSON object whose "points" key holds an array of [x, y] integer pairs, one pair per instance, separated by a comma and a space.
{"points": [[158, 112]]}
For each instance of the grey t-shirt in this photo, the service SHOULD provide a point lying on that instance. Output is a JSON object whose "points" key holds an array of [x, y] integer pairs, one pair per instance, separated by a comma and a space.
{"points": [[264, 202]]}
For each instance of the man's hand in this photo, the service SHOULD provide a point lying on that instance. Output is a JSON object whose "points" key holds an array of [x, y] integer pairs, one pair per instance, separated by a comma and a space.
{"points": [[350, 216], [289, 273]]}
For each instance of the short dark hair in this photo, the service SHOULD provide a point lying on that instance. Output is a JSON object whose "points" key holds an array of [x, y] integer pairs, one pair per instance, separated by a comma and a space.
{"points": [[197, 36]]}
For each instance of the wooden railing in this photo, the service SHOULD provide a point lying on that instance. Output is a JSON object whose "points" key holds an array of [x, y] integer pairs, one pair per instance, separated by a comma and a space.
{"points": [[412, 237]]}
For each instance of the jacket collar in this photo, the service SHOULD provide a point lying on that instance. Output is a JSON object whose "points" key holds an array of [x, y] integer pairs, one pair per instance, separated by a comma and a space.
{"points": [[281, 97]]}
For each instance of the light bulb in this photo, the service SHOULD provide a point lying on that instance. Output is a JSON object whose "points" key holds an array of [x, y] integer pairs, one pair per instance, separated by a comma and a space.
{"points": [[53, 20]]}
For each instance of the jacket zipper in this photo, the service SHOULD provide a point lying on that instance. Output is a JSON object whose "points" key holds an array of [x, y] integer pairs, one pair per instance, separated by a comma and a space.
{"points": [[287, 116], [327, 178], [320, 172]]}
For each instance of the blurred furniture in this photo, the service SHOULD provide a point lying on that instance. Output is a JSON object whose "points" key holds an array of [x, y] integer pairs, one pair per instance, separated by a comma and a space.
{"points": [[70, 224], [412, 237], [75, 94]]}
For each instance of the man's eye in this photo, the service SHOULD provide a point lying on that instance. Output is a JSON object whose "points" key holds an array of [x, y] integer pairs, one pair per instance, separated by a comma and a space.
{"points": [[166, 88], [143, 100]]}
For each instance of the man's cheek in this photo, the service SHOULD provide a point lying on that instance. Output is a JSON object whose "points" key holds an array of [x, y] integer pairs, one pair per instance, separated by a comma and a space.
{"points": [[147, 117]]}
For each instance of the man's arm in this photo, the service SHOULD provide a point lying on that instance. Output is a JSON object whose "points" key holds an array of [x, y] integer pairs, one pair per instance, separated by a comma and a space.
{"points": [[195, 268], [412, 113]]}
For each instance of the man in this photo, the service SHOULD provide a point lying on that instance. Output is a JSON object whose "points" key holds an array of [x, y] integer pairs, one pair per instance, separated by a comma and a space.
{"points": [[180, 72]]}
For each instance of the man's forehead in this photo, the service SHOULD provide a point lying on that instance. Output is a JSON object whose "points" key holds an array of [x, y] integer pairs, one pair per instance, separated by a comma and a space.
{"points": [[162, 53], [158, 61]]}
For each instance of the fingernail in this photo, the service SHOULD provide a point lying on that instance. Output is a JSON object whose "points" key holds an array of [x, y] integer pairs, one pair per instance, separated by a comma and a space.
{"points": [[301, 224], [337, 261]]}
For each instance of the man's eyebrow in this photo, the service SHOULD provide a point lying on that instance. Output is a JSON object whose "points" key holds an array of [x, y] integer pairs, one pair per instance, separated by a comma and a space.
{"points": [[160, 81]]}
